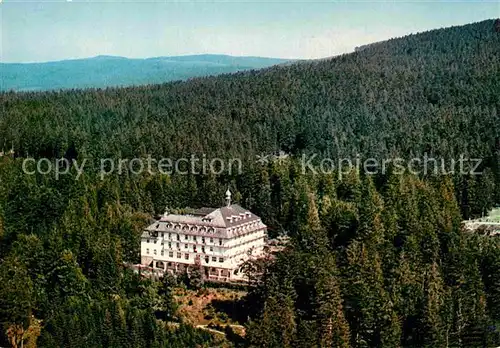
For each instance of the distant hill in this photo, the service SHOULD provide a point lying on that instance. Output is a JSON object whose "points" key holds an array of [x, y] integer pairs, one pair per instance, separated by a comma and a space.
{"points": [[107, 71]]}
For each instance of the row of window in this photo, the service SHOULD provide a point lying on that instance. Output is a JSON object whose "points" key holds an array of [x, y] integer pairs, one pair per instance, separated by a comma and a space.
{"points": [[186, 237], [246, 239], [186, 256], [245, 244], [241, 229], [203, 229], [186, 246], [193, 228]]}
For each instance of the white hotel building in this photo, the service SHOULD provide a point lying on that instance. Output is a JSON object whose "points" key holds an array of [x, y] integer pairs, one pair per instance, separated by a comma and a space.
{"points": [[219, 240]]}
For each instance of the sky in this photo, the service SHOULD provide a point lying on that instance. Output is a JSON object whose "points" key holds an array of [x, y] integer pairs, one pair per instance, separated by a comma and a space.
{"points": [[43, 30]]}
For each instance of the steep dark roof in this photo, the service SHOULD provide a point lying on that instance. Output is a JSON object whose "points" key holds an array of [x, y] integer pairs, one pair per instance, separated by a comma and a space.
{"points": [[211, 221], [232, 215]]}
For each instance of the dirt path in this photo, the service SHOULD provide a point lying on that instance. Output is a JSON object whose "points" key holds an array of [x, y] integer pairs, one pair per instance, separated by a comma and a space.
{"points": [[205, 327]]}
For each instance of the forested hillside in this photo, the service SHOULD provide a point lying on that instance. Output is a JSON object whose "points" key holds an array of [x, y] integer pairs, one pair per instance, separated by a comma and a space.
{"points": [[376, 260], [434, 93]]}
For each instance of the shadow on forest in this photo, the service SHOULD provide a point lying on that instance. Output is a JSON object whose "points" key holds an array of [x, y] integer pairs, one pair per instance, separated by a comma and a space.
{"points": [[235, 310]]}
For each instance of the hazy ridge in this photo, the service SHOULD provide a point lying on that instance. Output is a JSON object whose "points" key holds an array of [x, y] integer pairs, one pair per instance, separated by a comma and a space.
{"points": [[110, 71]]}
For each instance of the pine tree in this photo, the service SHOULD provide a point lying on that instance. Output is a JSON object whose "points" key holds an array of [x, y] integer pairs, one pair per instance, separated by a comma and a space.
{"points": [[432, 327], [370, 207], [369, 308], [333, 328], [276, 327], [311, 236], [16, 294]]}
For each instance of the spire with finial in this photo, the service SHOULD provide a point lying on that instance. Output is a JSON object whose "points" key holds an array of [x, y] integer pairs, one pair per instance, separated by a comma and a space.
{"points": [[228, 197]]}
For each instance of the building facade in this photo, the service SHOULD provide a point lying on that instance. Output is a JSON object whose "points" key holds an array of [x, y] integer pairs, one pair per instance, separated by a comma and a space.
{"points": [[217, 240]]}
